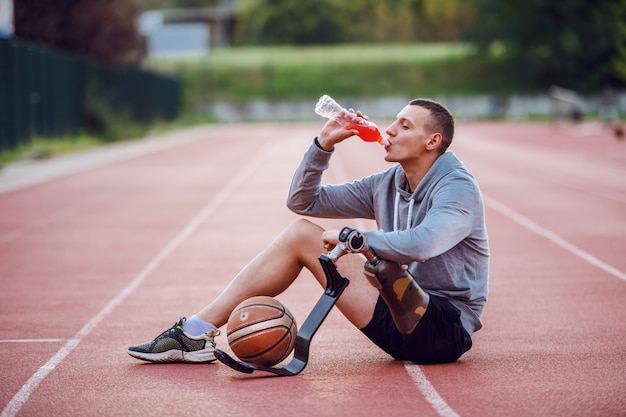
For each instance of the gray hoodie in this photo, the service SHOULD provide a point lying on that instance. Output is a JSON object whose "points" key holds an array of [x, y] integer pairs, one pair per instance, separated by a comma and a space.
{"points": [[438, 230]]}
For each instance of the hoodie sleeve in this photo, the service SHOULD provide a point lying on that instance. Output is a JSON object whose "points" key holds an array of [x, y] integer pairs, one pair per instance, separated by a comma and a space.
{"points": [[307, 196], [450, 219]]}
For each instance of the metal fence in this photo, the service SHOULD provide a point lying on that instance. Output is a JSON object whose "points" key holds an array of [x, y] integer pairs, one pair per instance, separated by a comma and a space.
{"points": [[45, 93]]}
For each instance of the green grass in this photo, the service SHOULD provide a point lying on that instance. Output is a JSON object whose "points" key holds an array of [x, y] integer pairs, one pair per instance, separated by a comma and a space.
{"points": [[284, 73], [40, 148], [260, 57]]}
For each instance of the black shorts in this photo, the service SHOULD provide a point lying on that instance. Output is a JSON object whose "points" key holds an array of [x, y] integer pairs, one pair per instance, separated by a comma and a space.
{"points": [[438, 338]]}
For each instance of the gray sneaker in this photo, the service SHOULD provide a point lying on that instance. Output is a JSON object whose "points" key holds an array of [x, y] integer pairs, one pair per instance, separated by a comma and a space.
{"points": [[175, 345]]}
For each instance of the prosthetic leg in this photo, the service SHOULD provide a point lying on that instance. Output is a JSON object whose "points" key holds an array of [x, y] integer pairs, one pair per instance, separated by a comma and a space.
{"points": [[407, 301]]}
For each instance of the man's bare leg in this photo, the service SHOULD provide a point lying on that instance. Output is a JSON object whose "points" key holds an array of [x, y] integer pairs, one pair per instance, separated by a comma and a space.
{"points": [[276, 268], [270, 273]]}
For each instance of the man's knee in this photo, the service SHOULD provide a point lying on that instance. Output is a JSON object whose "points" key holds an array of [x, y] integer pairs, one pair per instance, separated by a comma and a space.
{"points": [[304, 225], [302, 237], [303, 229]]}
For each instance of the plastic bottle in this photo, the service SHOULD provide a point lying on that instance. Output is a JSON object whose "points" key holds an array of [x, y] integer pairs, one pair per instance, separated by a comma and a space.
{"points": [[329, 108]]}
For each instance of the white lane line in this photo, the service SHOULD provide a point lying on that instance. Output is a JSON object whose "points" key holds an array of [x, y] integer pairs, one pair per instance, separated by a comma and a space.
{"points": [[553, 237], [16, 403], [428, 391]]}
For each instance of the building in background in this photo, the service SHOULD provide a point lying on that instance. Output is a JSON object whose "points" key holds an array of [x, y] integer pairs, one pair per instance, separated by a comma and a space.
{"points": [[6, 18], [188, 30], [168, 39]]}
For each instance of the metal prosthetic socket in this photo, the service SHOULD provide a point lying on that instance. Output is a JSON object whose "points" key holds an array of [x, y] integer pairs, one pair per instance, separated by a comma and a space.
{"points": [[407, 301]]}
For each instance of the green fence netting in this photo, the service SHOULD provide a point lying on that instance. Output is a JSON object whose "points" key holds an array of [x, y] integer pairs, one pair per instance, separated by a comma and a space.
{"points": [[46, 93]]}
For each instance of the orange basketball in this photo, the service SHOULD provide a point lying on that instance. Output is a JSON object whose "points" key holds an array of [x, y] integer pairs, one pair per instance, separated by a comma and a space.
{"points": [[262, 331]]}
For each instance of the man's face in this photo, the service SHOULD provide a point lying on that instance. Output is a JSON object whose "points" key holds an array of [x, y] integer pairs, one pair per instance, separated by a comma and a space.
{"points": [[408, 134]]}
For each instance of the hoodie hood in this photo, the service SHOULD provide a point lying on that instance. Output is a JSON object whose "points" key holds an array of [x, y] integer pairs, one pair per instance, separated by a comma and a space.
{"points": [[446, 163]]}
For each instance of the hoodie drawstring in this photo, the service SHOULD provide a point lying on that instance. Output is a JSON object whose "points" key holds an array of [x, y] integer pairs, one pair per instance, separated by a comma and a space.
{"points": [[396, 213]]}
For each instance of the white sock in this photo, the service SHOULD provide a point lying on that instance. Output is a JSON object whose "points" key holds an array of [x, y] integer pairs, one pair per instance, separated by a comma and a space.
{"points": [[195, 326]]}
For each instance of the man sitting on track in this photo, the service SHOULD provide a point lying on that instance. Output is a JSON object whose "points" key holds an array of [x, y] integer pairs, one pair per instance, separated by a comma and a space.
{"points": [[430, 216]]}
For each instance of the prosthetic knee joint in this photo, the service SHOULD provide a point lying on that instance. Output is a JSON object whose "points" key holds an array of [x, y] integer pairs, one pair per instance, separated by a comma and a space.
{"points": [[407, 301]]}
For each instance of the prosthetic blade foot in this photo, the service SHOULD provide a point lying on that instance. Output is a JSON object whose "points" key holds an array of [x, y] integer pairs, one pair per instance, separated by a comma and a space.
{"points": [[335, 285]]}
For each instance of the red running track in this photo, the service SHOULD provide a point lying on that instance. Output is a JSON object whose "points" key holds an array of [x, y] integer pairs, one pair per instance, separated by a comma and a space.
{"points": [[108, 255]]}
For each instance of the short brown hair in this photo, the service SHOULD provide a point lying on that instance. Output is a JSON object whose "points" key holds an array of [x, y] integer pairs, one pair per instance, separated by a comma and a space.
{"points": [[442, 120]]}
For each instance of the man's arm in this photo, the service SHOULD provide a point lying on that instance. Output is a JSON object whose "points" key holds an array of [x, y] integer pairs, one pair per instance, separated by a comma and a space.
{"points": [[449, 220], [307, 196]]}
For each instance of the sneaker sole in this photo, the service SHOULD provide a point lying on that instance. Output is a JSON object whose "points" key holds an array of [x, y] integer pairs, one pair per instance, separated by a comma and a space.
{"points": [[198, 356]]}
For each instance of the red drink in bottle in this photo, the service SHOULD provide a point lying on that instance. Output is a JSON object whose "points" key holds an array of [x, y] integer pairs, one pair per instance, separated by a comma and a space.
{"points": [[368, 133]]}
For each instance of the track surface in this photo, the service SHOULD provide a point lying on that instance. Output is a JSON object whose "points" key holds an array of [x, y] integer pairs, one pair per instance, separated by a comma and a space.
{"points": [[109, 254]]}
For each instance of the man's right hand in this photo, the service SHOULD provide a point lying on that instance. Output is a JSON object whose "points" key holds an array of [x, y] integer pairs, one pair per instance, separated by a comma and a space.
{"points": [[334, 132], [330, 238]]}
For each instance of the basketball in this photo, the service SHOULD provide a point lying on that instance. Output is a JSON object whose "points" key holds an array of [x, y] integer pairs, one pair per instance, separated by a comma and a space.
{"points": [[262, 331]]}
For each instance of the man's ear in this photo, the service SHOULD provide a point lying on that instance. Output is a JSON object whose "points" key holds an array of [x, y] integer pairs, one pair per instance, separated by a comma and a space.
{"points": [[434, 141]]}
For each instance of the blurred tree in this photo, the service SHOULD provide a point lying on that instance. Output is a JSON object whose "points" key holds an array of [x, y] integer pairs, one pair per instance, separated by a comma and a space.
{"points": [[176, 4], [298, 22], [376, 21], [104, 30], [338, 21], [442, 20], [618, 10], [572, 43]]}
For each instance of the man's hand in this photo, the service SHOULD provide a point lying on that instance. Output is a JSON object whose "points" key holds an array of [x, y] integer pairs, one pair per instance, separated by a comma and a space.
{"points": [[330, 238], [334, 131]]}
